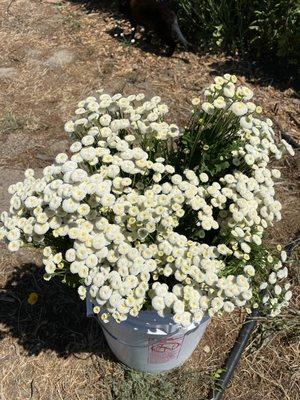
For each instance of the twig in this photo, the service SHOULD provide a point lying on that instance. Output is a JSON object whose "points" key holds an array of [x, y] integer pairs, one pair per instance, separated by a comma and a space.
{"points": [[31, 389], [8, 7], [294, 119], [291, 246], [290, 140], [273, 382], [287, 137]]}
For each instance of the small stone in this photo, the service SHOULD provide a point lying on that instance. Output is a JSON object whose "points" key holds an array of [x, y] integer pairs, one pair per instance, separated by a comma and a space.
{"points": [[59, 147], [206, 349], [7, 72], [60, 58]]}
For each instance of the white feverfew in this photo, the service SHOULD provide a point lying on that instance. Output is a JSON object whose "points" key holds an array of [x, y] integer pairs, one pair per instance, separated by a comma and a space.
{"points": [[118, 206], [239, 108]]}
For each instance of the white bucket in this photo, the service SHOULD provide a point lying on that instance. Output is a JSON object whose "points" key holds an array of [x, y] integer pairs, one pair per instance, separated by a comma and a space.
{"points": [[150, 343]]}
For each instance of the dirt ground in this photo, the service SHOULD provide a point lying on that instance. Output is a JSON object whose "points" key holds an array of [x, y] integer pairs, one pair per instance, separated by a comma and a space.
{"points": [[53, 54]]}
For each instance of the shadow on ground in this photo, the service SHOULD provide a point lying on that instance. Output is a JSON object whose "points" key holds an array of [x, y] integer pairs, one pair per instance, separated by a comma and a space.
{"points": [[109, 6], [147, 42], [264, 74], [56, 322]]}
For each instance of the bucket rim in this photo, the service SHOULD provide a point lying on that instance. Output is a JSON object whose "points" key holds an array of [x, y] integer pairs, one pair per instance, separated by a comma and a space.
{"points": [[148, 318]]}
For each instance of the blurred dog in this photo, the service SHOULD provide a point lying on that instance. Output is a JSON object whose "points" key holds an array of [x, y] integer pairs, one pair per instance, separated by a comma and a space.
{"points": [[156, 16]]}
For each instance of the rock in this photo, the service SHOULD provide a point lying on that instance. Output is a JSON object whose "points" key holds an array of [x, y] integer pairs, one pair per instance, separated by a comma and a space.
{"points": [[7, 72], [59, 147], [60, 58], [33, 53]]}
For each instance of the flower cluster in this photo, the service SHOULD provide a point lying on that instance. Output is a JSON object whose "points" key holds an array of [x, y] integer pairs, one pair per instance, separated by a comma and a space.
{"points": [[140, 231]]}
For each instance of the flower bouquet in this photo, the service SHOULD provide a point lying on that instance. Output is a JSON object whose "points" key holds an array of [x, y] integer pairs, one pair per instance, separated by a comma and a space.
{"points": [[142, 216]]}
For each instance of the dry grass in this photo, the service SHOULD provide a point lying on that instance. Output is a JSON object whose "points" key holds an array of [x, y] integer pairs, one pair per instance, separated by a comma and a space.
{"points": [[50, 351]]}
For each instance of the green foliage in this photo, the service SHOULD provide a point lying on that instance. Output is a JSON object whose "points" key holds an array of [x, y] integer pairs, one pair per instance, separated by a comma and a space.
{"points": [[11, 123], [217, 374], [260, 28], [287, 325], [142, 386], [207, 143], [205, 146], [276, 30], [72, 20]]}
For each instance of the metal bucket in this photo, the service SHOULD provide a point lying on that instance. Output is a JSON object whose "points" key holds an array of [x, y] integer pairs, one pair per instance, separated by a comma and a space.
{"points": [[150, 343]]}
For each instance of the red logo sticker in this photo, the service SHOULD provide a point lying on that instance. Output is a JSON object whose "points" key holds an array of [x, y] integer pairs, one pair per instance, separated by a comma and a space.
{"points": [[165, 350]]}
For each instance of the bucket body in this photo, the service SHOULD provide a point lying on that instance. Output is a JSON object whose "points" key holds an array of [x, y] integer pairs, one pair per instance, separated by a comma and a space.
{"points": [[151, 343]]}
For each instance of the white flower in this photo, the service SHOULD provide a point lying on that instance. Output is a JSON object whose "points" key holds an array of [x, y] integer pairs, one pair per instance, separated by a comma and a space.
{"points": [[69, 127], [83, 209], [282, 273], [87, 140], [219, 80], [277, 290], [29, 173], [57, 258], [105, 292], [13, 235], [217, 303], [228, 306], [272, 278], [283, 256], [246, 93], [249, 270], [82, 291], [288, 295], [61, 158], [178, 306], [50, 267], [185, 319], [245, 247], [239, 108], [196, 101], [78, 194], [257, 240], [276, 173], [69, 166], [249, 159], [203, 177], [31, 202], [219, 103], [229, 90], [70, 255], [14, 245], [47, 251], [41, 229], [70, 206], [99, 241], [105, 120], [207, 107], [158, 303], [88, 153]]}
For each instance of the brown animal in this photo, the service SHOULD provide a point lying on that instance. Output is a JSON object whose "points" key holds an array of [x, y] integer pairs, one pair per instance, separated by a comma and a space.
{"points": [[156, 16]]}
